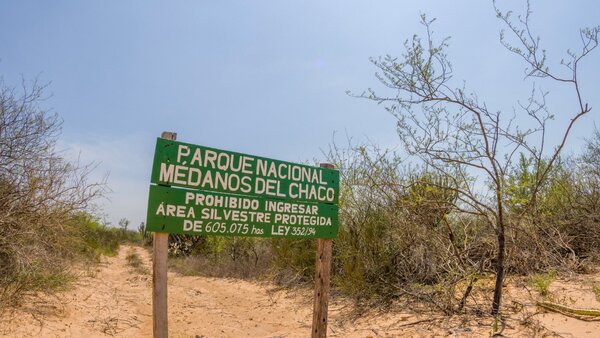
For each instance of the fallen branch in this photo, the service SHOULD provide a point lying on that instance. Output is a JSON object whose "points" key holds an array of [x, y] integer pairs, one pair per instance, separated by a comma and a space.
{"points": [[569, 311], [417, 322]]}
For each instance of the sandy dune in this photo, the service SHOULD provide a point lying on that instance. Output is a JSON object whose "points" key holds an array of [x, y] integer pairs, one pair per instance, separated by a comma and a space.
{"points": [[115, 300]]}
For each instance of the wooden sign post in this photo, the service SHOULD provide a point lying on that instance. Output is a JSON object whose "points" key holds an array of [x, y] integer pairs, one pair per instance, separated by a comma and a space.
{"points": [[322, 272], [160, 254], [198, 190]]}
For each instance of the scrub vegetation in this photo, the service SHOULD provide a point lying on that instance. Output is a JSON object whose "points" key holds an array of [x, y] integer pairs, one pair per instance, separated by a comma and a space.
{"points": [[44, 224]]}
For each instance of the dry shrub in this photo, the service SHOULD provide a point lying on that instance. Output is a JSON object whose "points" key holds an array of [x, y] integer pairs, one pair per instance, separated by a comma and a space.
{"points": [[293, 261], [40, 194], [562, 230], [402, 235], [227, 257]]}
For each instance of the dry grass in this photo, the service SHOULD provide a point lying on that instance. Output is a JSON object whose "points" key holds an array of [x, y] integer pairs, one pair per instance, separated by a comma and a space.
{"points": [[596, 289], [541, 283], [223, 267], [136, 263]]}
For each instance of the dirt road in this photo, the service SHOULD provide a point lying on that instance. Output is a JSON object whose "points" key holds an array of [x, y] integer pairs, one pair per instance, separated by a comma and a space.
{"points": [[115, 300]]}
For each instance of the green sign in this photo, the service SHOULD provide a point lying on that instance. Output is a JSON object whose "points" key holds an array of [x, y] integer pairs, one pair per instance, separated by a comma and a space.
{"points": [[209, 213], [206, 191], [197, 167]]}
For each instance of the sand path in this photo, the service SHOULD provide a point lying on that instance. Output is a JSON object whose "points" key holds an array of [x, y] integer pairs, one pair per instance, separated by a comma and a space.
{"points": [[115, 300]]}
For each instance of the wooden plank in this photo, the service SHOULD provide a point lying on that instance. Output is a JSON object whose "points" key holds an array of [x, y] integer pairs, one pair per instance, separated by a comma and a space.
{"points": [[322, 277], [160, 253]]}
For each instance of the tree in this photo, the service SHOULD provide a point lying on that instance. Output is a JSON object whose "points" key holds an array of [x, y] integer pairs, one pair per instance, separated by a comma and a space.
{"points": [[123, 224], [397, 237], [40, 191], [454, 132]]}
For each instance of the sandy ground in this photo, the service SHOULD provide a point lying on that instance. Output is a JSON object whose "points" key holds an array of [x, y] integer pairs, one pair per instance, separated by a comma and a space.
{"points": [[115, 300]]}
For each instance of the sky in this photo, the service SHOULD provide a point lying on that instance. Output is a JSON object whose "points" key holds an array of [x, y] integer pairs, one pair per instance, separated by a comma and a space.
{"points": [[267, 78]]}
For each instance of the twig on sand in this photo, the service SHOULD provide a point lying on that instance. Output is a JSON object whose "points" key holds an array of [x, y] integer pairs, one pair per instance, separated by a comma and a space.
{"points": [[418, 322], [583, 314]]}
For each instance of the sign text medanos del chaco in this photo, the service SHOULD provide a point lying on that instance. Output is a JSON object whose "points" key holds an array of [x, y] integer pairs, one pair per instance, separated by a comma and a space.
{"points": [[229, 193]]}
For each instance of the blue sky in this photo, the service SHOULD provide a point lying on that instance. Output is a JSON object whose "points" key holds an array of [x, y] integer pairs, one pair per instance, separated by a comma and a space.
{"points": [[260, 77]]}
